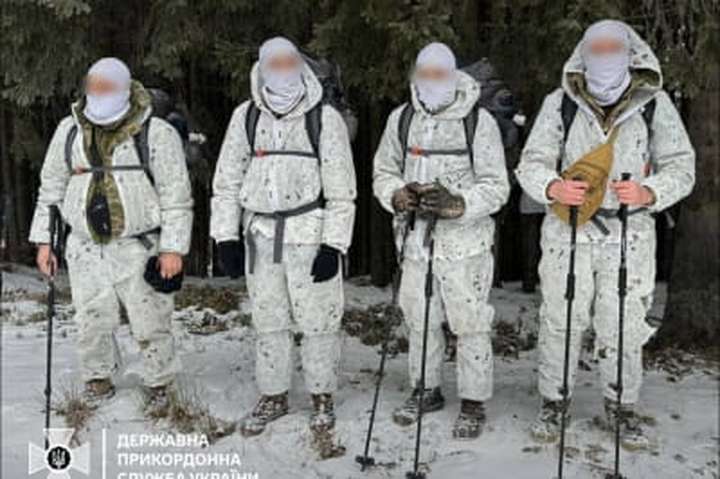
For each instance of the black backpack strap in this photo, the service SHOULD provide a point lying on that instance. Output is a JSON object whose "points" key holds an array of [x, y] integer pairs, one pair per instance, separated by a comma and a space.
{"points": [[69, 140], [406, 116], [313, 126], [470, 123], [251, 120], [648, 114], [568, 110], [142, 147]]}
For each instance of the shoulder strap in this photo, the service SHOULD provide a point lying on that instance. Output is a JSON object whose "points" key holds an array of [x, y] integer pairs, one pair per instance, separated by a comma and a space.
{"points": [[69, 140], [649, 113], [313, 126], [406, 116], [568, 110], [142, 147], [470, 123], [251, 120]]}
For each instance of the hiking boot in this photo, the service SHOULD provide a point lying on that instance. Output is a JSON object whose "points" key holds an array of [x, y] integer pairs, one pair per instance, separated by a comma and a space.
{"points": [[406, 414], [546, 427], [471, 420], [632, 436], [157, 401], [323, 415], [97, 390], [267, 409]]}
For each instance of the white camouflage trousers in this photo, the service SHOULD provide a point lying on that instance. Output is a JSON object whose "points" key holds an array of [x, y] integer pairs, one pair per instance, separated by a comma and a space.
{"points": [[284, 292], [460, 296], [596, 303], [102, 277]]}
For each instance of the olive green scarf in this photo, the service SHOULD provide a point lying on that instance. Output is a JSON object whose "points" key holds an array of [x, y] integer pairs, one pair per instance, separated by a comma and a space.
{"points": [[106, 138]]}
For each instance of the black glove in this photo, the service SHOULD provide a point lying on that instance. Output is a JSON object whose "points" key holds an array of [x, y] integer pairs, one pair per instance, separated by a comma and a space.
{"points": [[232, 257], [326, 264], [153, 278]]}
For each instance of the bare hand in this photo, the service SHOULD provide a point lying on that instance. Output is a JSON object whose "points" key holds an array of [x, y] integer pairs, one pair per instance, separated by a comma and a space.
{"points": [[46, 260], [632, 193], [568, 192], [169, 264]]}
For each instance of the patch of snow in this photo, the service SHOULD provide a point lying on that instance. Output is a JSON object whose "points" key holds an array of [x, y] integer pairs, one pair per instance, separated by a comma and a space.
{"points": [[221, 368]]}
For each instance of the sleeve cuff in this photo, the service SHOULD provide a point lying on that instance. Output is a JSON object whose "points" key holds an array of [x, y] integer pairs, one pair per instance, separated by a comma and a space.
{"points": [[656, 205]]}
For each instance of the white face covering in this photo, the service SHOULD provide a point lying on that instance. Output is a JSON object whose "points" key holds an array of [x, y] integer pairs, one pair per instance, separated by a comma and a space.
{"points": [[281, 90], [608, 75], [436, 94], [110, 107]]}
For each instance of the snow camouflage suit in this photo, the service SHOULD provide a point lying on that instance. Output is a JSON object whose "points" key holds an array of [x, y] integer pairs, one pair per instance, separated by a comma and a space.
{"points": [[244, 188], [463, 262], [665, 149], [103, 276]]}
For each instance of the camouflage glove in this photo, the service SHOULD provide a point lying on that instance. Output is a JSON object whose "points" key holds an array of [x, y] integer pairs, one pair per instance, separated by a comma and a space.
{"points": [[435, 199], [406, 198]]}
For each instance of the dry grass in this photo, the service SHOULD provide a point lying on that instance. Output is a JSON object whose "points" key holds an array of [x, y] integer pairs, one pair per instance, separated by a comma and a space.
{"points": [[222, 300], [370, 325], [70, 403], [188, 413]]}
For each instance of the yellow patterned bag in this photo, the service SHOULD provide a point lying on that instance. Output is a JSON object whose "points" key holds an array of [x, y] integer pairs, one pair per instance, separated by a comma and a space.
{"points": [[594, 168]]}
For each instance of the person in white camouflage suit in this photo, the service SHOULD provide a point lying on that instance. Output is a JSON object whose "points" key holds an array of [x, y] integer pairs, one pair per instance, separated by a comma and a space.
{"points": [[106, 267], [296, 207], [613, 77], [439, 174]]}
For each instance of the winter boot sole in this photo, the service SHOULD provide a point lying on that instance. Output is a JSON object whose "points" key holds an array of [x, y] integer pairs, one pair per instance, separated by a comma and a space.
{"points": [[627, 444], [467, 433], [96, 400], [402, 418], [544, 437], [251, 427]]}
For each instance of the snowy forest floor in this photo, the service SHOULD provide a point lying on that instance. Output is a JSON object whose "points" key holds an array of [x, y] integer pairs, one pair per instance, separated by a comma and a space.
{"points": [[680, 395]]}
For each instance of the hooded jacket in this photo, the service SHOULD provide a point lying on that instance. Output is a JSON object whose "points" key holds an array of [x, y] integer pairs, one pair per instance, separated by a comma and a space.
{"points": [[245, 185], [660, 158], [484, 184], [167, 205]]}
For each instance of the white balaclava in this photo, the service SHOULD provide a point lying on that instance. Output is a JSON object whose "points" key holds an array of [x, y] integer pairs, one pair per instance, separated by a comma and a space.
{"points": [[107, 108], [607, 76], [282, 91], [435, 94]]}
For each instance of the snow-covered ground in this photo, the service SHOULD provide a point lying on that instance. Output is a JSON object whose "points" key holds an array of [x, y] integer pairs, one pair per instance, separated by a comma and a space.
{"points": [[221, 368]]}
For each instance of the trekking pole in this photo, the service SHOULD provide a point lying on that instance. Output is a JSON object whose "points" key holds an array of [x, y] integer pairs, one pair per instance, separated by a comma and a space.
{"points": [[569, 297], [55, 238], [366, 460], [430, 242], [622, 292]]}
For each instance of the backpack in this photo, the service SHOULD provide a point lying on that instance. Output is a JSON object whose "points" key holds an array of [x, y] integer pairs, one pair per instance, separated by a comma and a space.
{"points": [[142, 147], [333, 96], [568, 111], [163, 107], [495, 97]]}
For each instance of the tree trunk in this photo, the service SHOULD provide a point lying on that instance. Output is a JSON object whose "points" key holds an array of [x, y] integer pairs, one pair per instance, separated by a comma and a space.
{"points": [[691, 317]]}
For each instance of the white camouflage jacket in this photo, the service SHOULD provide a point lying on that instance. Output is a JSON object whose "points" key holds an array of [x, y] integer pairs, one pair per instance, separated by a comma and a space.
{"points": [[167, 205], [244, 185], [662, 159], [484, 184]]}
